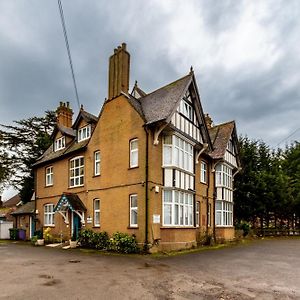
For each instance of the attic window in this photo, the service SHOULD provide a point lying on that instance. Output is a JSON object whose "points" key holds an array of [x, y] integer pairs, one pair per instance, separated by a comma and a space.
{"points": [[60, 143], [84, 133]]}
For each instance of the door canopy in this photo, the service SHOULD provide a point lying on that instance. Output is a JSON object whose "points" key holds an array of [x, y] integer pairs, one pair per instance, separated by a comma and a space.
{"points": [[70, 201]]}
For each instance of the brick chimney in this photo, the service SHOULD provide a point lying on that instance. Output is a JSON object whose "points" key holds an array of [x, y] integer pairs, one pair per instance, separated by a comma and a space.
{"points": [[64, 114], [208, 121], [118, 73]]}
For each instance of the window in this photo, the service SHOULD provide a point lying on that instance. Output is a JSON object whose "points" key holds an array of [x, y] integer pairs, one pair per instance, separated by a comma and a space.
{"points": [[97, 160], [185, 107], [134, 153], [84, 133], [178, 208], [179, 153], [224, 176], [133, 211], [49, 176], [49, 215], [77, 171], [203, 172], [224, 215], [97, 212], [197, 214], [60, 143]]}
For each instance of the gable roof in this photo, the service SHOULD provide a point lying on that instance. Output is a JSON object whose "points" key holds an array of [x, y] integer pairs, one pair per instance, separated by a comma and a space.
{"points": [[71, 201], [27, 208], [88, 117], [220, 136], [13, 201], [64, 131], [159, 105]]}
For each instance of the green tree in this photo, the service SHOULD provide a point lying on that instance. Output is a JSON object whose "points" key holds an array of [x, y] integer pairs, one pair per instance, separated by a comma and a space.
{"points": [[21, 144]]}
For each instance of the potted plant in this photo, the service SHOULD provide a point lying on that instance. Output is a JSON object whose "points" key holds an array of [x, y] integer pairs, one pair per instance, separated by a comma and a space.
{"points": [[40, 241], [73, 241]]}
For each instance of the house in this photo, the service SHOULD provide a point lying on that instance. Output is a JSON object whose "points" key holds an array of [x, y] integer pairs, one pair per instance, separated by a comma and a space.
{"points": [[146, 165], [10, 206], [24, 218]]}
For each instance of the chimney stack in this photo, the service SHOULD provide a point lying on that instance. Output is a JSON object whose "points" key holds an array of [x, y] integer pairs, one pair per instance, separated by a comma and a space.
{"points": [[208, 121], [64, 114], [118, 74]]}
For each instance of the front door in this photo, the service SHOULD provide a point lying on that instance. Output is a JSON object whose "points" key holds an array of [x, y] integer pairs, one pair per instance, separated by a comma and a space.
{"points": [[76, 225]]}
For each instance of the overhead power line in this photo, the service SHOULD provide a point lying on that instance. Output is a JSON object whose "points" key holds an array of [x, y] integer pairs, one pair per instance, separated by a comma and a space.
{"points": [[283, 140], [68, 48]]}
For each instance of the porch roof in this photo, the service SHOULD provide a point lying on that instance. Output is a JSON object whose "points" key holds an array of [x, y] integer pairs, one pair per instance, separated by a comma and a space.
{"points": [[69, 201]]}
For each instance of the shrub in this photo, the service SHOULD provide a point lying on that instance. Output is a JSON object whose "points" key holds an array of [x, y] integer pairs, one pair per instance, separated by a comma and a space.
{"points": [[123, 243], [39, 234], [85, 238], [34, 239], [14, 233], [47, 235], [100, 240], [243, 226]]}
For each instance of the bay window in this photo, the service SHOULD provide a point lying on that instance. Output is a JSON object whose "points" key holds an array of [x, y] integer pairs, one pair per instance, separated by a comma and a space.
{"points": [[224, 213], [179, 153], [178, 208]]}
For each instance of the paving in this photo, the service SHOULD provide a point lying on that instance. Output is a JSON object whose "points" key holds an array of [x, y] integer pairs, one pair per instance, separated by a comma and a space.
{"points": [[264, 269]]}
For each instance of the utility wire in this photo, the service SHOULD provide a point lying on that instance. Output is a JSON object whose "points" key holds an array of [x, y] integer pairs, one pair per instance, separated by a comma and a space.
{"points": [[68, 48], [287, 137]]}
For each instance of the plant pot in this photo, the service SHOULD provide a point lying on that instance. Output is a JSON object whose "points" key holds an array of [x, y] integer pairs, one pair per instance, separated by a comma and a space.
{"points": [[40, 242], [73, 244]]}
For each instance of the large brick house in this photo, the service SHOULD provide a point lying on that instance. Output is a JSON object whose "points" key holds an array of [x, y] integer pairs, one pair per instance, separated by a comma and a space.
{"points": [[149, 165]]}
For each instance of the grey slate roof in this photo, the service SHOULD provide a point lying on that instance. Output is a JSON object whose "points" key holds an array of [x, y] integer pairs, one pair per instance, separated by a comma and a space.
{"points": [[88, 117], [158, 105], [220, 135], [27, 208], [50, 154]]}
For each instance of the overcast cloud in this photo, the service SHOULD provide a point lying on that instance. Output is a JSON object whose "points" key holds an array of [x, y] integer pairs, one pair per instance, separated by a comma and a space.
{"points": [[245, 55]]}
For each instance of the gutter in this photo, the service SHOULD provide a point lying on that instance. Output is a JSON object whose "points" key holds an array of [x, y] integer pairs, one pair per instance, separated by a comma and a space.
{"points": [[146, 190]]}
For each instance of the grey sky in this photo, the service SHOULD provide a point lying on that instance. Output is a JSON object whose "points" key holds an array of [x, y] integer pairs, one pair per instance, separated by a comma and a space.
{"points": [[245, 56]]}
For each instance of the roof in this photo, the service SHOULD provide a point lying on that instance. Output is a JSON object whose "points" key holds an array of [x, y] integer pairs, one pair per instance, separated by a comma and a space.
{"points": [[88, 117], [27, 208], [50, 154], [71, 201], [220, 135], [159, 105], [13, 201]]}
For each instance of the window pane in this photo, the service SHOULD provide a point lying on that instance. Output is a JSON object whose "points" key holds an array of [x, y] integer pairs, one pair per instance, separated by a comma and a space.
{"points": [[167, 214]]}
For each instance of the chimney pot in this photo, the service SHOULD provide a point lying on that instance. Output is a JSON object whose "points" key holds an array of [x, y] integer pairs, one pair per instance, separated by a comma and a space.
{"points": [[64, 114]]}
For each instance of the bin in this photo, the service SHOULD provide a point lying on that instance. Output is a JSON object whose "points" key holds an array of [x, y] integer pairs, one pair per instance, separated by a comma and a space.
{"points": [[22, 234], [13, 233]]}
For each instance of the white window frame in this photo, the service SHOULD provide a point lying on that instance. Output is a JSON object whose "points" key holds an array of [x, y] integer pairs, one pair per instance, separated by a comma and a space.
{"points": [[203, 172], [84, 133], [181, 207], [49, 176], [133, 162], [59, 143], [209, 214], [224, 214], [97, 163], [76, 179], [179, 154], [49, 214], [97, 212], [133, 210], [197, 213]]}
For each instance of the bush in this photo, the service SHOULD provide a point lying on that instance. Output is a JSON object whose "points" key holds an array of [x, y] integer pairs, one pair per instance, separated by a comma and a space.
{"points": [[96, 240], [243, 226], [123, 243], [34, 239], [101, 240], [85, 238]]}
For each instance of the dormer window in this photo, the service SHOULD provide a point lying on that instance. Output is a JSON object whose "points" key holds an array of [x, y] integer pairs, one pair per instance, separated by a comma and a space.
{"points": [[84, 133], [60, 143]]}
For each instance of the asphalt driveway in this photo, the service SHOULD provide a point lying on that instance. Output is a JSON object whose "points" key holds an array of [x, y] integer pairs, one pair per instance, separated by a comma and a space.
{"points": [[266, 269]]}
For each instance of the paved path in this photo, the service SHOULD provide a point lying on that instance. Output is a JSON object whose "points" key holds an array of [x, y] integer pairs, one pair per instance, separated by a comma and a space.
{"points": [[268, 269]]}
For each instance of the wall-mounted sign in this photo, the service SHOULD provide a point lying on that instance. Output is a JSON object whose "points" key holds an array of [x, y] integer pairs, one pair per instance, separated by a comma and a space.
{"points": [[89, 220], [156, 219]]}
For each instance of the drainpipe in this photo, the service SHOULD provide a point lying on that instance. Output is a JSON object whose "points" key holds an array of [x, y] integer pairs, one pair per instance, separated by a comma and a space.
{"points": [[146, 190]]}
